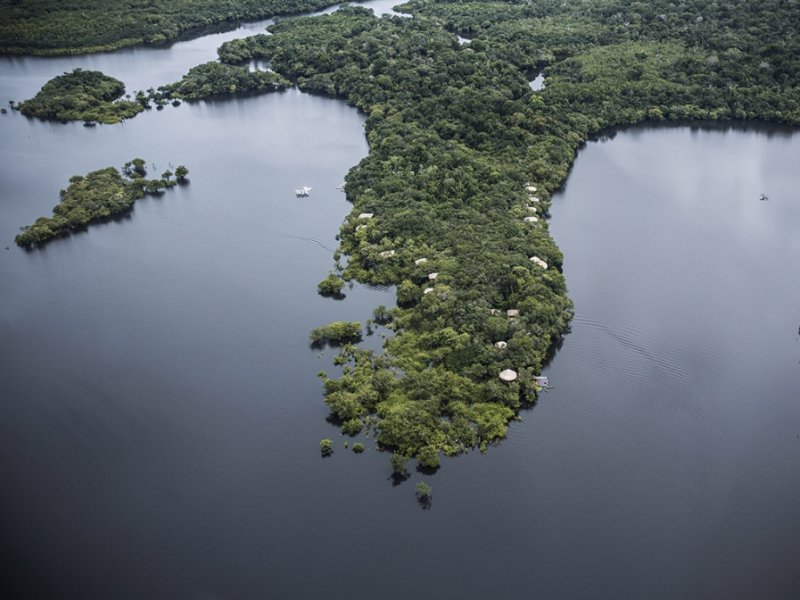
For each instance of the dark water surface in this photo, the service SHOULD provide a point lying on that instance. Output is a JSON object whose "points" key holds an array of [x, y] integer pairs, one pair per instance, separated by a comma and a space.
{"points": [[160, 417]]}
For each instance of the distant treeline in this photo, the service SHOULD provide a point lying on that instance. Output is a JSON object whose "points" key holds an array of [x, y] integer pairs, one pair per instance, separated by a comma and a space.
{"points": [[81, 26]]}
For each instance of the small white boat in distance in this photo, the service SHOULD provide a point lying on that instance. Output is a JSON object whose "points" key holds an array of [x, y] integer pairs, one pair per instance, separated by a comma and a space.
{"points": [[303, 191]]}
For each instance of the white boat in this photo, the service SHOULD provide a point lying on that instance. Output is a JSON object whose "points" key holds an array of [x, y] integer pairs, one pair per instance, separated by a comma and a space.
{"points": [[303, 191]]}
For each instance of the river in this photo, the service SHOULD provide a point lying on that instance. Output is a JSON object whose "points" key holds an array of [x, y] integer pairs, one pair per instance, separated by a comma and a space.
{"points": [[160, 415]]}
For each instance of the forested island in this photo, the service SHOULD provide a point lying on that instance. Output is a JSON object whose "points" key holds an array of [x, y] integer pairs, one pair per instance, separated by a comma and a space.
{"points": [[451, 203], [98, 196], [93, 97], [89, 96]]}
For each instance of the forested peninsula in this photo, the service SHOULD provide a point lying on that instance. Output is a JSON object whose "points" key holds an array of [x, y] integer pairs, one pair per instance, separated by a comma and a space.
{"points": [[98, 196], [451, 203]]}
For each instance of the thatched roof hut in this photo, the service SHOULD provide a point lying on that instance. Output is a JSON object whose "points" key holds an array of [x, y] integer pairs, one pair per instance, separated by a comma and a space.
{"points": [[508, 375]]}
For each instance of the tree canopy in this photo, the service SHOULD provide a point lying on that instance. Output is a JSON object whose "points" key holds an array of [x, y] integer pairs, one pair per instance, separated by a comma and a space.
{"points": [[81, 26], [81, 95], [462, 151], [94, 197]]}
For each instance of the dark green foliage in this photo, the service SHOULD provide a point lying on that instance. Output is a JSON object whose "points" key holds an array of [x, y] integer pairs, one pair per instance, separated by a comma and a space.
{"points": [[445, 180], [352, 427], [95, 197], [326, 447], [382, 315], [456, 135], [408, 293], [424, 495], [399, 465], [358, 447], [217, 79], [180, 173], [428, 457], [81, 96], [81, 26], [135, 168], [338, 332], [331, 286]]}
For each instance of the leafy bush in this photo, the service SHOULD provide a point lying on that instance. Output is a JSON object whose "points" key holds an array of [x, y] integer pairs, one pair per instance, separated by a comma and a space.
{"points": [[331, 286], [326, 446], [337, 332]]}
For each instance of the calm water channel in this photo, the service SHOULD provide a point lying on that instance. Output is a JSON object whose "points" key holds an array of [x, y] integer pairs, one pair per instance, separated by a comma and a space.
{"points": [[160, 415]]}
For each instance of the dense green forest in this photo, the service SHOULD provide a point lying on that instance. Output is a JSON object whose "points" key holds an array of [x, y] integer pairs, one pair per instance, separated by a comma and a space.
{"points": [[463, 153], [213, 79], [451, 203], [98, 196], [81, 26], [94, 97], [81, 96]]}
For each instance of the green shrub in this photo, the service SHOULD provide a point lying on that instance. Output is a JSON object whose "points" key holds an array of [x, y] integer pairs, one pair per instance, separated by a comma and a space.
{"points": [[331, 286], [337, 332], [326, 446]]}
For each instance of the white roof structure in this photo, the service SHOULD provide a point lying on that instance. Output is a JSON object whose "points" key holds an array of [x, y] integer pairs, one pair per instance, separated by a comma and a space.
{"points": [[366, 215], [538, 261], [508, 375], [433, 276], [427, 290], [512, 312], [531, 188], [531, 219], [386, 254], [501, 345], [533, 199], [420, 261]]}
